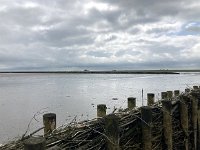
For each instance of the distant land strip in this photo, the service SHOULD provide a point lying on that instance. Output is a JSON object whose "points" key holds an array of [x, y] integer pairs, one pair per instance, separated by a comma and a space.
{"points": [[110, 72]]}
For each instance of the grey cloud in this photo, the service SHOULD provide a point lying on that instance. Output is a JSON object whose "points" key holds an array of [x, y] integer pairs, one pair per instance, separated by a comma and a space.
{"points": [[127, 52], [157, 48], [58, 34], [67, 36], [99, 53], [155, 9], [129, 18], [158, 30], [40, 59], [194, 29], [133, 30], [21, 16]]}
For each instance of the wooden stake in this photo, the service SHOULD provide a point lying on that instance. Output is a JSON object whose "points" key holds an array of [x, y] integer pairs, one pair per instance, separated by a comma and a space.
{"points": [[184, 118], [112, 132], [163, 95], [169, 95], [101, 110], [176, 93], [167, 123], [150, 99], [194, 118], [34, 143], [49, 121], [131, 103], [198, 125], [195, 87], [146, 114]]}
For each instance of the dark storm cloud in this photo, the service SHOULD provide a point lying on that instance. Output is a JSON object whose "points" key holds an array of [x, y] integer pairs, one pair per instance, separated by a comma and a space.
{"points": [[57, 35]]}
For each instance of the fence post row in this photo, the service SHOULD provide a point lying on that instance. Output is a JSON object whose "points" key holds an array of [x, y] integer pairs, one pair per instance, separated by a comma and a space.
{"points": [[187, 101]]}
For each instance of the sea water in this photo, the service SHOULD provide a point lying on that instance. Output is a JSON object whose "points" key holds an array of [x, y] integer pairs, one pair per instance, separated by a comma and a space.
{"points": [[24, 98]]}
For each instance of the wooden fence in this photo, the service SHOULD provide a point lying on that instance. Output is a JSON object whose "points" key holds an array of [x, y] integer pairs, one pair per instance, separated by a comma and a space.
{"points": [[172, 123]]}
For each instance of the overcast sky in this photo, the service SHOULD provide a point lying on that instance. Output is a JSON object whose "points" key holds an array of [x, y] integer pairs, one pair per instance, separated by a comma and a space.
{"points": [[99, 34]]}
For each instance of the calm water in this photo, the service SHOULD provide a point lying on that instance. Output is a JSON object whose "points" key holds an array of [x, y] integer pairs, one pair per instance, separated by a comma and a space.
{"points": [[24, 95]]}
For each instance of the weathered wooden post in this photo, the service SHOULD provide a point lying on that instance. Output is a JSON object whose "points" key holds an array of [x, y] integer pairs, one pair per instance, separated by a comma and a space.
{"points": [[167, 123], [146, 114], [195, 87], [150, 99], [131, 103], [176, 92], [184, 118], [194, 117], [198, 120], [163, 95], [101, 110], [187, 90], [112, 132], [169, 95], [49, 121], [34, 143]]}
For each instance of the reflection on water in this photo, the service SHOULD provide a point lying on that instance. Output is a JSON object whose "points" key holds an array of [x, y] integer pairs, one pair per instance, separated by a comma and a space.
{"points": [[68, 95]]}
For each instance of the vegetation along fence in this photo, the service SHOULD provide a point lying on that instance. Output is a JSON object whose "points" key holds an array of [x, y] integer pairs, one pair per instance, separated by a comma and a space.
{"points": [[170, 123]]}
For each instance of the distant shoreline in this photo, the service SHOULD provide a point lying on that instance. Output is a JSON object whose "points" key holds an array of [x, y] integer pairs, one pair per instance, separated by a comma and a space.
{"points": [[110, 72], [96, 72]]}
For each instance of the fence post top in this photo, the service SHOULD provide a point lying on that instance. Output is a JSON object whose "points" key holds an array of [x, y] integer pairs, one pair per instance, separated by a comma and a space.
{"points": [[101, 105], [131, 98], [48, 115], [152, 94]]}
